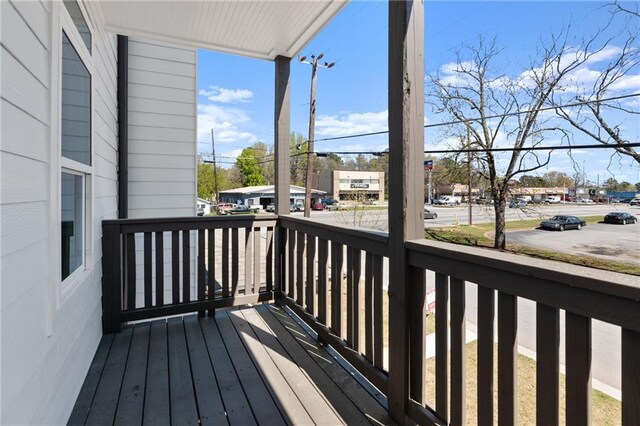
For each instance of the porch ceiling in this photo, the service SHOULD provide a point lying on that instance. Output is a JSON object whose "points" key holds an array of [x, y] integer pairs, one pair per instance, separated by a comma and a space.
{"points": [[260, 29]]}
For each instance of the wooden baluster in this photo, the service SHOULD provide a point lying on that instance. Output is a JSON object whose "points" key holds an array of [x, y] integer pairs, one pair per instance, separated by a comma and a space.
{"points": [[350, 301], [442, 347], [300, 254], [336, 288], [630, 377], [378, 313], [310, 290], [159, 268], [458, 367], [211, 263], [486, 314], [547, 365], [248, 243], [225, 263], [291, 260], [368, 306], [257, 261], [417, 312], [131, 271], [186, 266], [235, 263], [355, 291], [269, 264], [578, 379], [507, 359], [175, 267], [323, 257], [201, 268], [148, 275]]}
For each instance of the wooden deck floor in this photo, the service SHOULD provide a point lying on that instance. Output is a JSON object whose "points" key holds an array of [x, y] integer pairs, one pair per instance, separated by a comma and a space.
{"points": [[247, 366]]}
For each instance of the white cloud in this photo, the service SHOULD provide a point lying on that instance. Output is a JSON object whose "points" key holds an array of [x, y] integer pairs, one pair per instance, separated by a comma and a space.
{"points": [[227, 124], [351, 123], [227, 96]]}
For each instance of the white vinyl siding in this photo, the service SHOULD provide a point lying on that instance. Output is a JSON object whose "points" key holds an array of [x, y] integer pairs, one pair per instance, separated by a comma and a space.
{"points": [[162, 129], [47, 343]]}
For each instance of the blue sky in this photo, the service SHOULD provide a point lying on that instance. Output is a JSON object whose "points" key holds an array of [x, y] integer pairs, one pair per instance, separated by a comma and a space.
{"points": [[236, 94]]}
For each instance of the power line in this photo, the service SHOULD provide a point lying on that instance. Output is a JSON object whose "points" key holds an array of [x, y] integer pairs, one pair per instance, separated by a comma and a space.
{"points": [[489, 117]]}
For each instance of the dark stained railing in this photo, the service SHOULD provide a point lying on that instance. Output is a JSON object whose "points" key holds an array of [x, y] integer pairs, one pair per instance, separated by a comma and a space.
{"points": [[583, 294], [168, 266], [334, 277]]}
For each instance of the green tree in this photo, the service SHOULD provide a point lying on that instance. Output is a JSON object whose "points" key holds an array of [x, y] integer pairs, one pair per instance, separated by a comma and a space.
{"points": [[249, 168], [206, 182], [528, 181], [558, 179]]}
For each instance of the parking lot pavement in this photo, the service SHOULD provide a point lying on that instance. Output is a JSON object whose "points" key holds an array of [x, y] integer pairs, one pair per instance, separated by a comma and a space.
{"points": [[613, 242]]}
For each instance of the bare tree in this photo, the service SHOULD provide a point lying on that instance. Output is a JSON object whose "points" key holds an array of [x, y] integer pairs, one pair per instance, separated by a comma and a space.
{"points": [[496, 110], [594, 116]]}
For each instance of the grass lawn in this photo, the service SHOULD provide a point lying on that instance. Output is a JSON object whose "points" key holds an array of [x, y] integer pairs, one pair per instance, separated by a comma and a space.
{"points": [[605, 410], [480, 236]]}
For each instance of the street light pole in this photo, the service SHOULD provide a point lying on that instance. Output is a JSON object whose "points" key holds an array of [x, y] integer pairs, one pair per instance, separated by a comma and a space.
{"points": [[312, 121]]}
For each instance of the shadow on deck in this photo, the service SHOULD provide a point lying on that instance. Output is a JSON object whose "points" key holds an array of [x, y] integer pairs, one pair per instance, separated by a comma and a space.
{"points": [[254, 365]]}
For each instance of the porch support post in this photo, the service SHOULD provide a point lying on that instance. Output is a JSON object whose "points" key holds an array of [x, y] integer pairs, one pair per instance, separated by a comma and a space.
{"points": [[406, 185], [282, 159]]}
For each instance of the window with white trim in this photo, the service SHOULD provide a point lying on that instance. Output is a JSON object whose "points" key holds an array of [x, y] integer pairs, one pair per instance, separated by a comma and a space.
{"points": [[75, 143]]}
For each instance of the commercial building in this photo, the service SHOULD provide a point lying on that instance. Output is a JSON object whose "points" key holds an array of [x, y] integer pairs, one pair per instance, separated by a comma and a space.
{"points": [[265, 195], [347, 185]]}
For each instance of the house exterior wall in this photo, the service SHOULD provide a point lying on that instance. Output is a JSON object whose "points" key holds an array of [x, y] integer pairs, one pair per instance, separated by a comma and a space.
{"points": [[162, 143], [162, 129], [49, 334]]}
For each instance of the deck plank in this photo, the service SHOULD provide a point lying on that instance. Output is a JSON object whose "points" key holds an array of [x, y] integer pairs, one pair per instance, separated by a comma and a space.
{"points": [[103, 409], [345, 408], [131, 402], [285, 398], [362, 399], [90, 385], [208, 396], [255, 365], [156, 399], [234, 399], [183, 401], [262, 405], [314, 401]]}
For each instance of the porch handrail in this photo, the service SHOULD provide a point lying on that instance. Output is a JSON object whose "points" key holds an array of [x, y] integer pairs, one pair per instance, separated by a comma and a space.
{"points": [[189, 239], [583, 293]]}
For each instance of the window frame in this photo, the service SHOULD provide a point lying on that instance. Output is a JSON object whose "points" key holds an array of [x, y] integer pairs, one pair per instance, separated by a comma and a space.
{"points": [[62, 26]]}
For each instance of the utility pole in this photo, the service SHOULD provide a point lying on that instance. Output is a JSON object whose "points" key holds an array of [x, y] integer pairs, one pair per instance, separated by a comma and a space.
{"points": [[312, 122]]}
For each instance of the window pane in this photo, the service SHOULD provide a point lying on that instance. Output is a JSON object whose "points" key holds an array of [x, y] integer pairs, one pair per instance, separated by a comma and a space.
{"points": [[78, 19], [72, 223], [76, 106]]}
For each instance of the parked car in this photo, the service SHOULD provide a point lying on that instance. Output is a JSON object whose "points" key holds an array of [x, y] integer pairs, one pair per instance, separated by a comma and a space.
{"points": [[240, 208], [584, 200], [560, 223], [295, 207], [428, 214], [620, 217], [635, 202], [328, 201], [317, 206], [518, 203], [447, 201], [554, 199], [200, 211], [271, 208], [224, 208]]}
